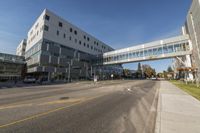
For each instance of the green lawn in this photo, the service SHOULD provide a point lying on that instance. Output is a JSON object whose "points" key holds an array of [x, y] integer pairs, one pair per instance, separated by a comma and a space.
{"points": [[190, 88]]}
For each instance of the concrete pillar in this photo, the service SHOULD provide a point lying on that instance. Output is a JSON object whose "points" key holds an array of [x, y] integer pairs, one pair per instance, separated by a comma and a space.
{"points": [[189, 64]]}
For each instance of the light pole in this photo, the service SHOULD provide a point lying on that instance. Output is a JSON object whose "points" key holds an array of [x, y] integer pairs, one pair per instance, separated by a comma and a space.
{"points": [[91, 71], [68, 71], [197, 78]]}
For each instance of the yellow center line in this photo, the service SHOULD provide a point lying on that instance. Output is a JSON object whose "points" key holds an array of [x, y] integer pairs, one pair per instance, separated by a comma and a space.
{"points": [[40, 104], [18, 103], [21, 102], [15, 106], [62, 101], [46, 113]]}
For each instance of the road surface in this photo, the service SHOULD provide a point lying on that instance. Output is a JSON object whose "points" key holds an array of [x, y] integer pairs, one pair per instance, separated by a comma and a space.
{"points": [[119, 106]]}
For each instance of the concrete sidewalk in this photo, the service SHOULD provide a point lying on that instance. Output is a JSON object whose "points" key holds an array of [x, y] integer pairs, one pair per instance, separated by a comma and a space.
{"points": [[178, 112]]}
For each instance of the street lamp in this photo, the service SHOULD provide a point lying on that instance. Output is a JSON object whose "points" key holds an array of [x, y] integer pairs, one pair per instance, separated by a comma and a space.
{"points": [[196, 76], [68, 71]]}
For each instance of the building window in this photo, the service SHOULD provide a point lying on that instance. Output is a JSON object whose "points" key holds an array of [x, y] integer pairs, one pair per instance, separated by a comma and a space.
{"points": [[97, 43], [57, 32], [88, 45], [88, 38], [75, 32], [91, 47], [70, 38], [47, 17], [64, 35], [94, 42], [46, 28], [60, 24], [84, 44], [80, 42], [103, 47], [70, 30], [84, 37]]}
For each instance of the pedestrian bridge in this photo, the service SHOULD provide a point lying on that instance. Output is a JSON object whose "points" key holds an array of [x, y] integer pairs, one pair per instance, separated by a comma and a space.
{"points": [[167, 48]]}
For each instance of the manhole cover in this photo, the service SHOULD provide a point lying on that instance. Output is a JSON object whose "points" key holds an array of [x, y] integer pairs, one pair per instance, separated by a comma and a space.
{"points": [[64, 98]]}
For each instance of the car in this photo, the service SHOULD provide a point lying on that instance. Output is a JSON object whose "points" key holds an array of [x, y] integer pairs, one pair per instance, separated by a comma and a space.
{"points": [[29, 80], [153, 78]]}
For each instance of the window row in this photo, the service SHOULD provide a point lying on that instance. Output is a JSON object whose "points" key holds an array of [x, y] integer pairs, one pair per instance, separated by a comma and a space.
{"points": [[60, 24], [46, 28], [31, 38]]}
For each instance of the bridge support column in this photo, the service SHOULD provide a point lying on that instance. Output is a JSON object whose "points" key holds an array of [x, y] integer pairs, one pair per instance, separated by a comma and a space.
{"points": [[188, 63]]}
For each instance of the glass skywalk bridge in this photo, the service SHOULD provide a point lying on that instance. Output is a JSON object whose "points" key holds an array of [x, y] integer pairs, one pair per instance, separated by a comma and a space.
{"points": [[167, 48]]}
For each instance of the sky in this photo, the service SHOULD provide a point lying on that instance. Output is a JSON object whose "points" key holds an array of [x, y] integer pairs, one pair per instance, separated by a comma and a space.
{"points": [[118, 23]]}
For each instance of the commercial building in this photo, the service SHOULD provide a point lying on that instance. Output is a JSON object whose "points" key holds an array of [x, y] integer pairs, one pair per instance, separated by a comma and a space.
{"points": [[57, 49], [20, 51], [11, 66]]}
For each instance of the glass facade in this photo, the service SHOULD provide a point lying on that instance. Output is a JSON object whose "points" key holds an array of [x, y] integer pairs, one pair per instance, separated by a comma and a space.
{"points": [[147, 52], [11, 66], [51, 57]]}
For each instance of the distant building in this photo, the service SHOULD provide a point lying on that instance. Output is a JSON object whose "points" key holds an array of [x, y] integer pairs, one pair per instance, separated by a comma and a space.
{"points": [[56, 48], [20, 51], [11, 66]]}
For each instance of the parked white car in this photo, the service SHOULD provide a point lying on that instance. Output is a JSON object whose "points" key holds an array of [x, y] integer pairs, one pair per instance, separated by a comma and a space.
{"points": [[29, 80]]}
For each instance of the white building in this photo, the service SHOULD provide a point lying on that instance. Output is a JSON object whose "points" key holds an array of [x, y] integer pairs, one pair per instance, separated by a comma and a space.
{"points": [[20, 51], [193, 29], [53, 45]]}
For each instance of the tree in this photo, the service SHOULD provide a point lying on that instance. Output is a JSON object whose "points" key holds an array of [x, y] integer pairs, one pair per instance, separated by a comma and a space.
{"points": [[165, 74], [139, 71], [126, 73], [170, 72], [139, 67], [148, 71], [160, 75], [169, 69]]}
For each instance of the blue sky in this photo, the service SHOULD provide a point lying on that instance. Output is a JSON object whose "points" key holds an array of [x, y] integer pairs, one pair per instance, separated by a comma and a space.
{"points": [[118, 23]]}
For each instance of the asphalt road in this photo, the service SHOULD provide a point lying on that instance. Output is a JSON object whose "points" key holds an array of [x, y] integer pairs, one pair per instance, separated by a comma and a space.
{"points": [[106, 107]]}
